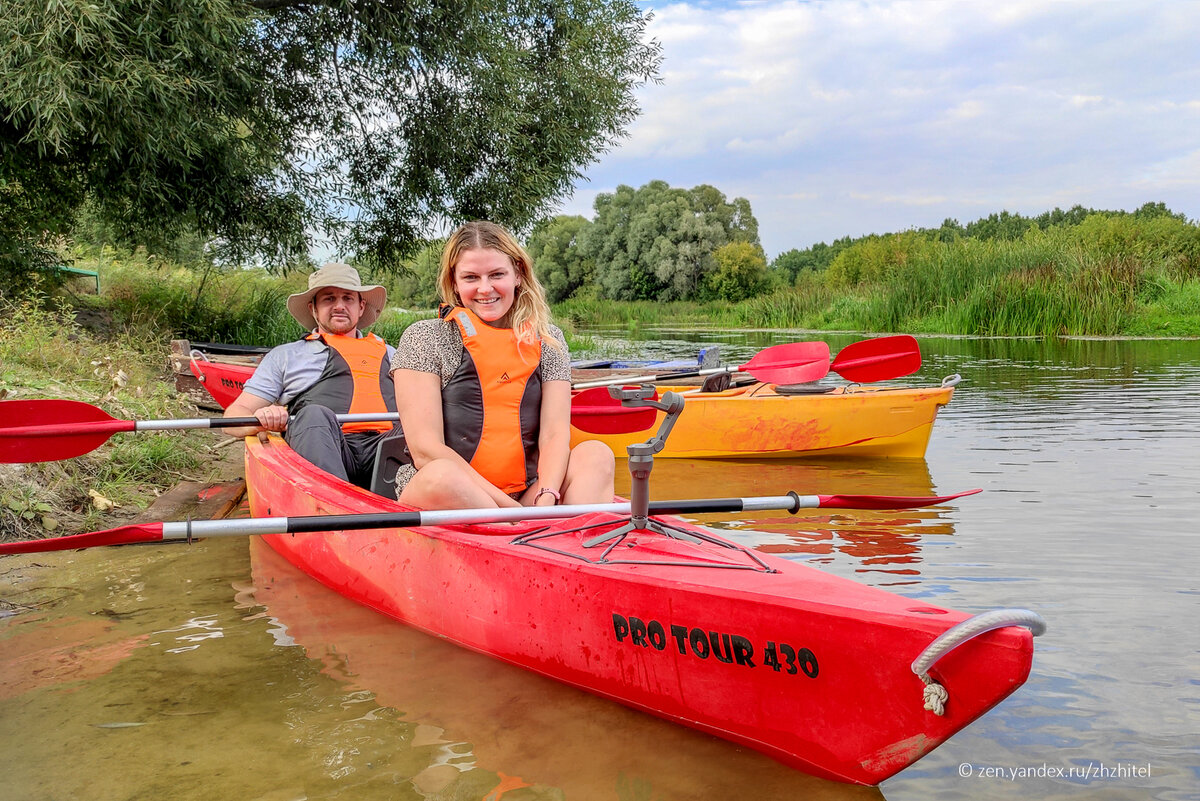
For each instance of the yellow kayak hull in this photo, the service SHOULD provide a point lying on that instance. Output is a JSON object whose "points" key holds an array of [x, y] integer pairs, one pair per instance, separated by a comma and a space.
{"points": [[758, 422]]}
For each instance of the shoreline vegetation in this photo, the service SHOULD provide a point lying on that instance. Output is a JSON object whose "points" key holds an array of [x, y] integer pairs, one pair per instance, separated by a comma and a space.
{"points": [[1073, 273], [1103, 275], [46, 353]]}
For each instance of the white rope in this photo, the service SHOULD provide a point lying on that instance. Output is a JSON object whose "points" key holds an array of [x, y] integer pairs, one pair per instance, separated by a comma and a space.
{"points": [[935, 695]]}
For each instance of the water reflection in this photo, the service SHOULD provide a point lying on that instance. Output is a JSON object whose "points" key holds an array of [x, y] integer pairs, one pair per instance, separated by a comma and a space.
{"points": [[473, 718], [886, 544], [1089, 452]]}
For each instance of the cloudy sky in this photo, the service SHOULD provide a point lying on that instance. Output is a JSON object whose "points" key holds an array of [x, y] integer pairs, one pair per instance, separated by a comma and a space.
{"points": [[846, 118]]}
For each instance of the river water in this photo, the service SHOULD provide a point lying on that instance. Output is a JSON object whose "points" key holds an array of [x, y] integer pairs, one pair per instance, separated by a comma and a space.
{"points": [[217, 671]]}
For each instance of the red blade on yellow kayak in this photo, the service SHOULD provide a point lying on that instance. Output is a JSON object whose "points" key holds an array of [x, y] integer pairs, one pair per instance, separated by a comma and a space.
{"points": [[878, 359], [791, 363], [597, 412]]}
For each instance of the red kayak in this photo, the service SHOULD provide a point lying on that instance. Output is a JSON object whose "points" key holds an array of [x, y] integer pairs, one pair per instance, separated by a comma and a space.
{"points": [[223, 380], [815, 670]]}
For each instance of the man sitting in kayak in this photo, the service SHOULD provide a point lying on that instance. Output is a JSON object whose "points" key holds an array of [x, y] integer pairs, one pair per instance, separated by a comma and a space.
{"points": [[299, 387], [484, 390]]}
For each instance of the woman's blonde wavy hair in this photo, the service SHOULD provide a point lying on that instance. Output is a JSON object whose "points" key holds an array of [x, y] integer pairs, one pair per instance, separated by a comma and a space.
{"points": [[529, 316]]}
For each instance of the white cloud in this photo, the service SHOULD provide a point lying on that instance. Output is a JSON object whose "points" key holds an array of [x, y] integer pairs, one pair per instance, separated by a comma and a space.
{"points": [[843, 118]]}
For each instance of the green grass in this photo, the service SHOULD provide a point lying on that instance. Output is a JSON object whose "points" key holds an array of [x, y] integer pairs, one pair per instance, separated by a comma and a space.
{"points": [[44, 354]]}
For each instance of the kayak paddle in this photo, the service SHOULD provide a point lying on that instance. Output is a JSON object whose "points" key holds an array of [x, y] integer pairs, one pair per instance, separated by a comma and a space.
{"points": [[253, 526], [878, 359], [597, 412], [865, 361], [49, 430], [791, 363]]}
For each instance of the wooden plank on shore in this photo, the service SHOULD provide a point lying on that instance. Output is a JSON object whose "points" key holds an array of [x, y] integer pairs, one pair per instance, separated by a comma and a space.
{"points": [[195, 500]]}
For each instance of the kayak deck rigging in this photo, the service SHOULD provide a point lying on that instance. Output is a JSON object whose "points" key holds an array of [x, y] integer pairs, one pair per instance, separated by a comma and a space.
{"points": [[656, 552]]}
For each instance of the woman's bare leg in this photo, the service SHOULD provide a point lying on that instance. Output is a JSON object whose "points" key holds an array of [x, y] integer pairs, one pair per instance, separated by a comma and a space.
{"points": [[443, 484], [590, 472]]}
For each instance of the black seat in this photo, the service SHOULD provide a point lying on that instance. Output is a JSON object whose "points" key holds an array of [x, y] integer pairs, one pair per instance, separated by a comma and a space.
{"points": [[717, 382], [390, 453]]}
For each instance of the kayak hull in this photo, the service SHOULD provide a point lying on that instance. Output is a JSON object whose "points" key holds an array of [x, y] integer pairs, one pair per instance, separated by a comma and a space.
{"points": [[223, 380], [809, 668], [757, 422]]}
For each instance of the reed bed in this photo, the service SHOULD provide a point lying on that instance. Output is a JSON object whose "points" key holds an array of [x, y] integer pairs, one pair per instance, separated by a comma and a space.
{"points": [[1106, 276]]}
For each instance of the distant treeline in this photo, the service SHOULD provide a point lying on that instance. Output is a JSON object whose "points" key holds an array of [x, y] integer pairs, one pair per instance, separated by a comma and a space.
{"points": [[1078, 270], [691, 256], [654, 243], [1003, 225]]}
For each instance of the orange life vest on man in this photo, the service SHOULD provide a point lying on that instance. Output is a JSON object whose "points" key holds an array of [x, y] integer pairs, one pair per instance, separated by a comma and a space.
{"points": [[356, 379], [492, 405]]}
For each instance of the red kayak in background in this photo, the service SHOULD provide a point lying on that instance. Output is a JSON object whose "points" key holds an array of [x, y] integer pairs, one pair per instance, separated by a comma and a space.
{"points": [[223, 380]]}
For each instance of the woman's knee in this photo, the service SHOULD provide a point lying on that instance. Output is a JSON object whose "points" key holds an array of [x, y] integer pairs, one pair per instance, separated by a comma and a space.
{"points": [[439, 473], [439, 483], [593, 455]]}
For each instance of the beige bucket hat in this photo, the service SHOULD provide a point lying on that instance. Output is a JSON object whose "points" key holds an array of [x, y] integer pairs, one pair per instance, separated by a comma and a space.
{"points": [[342, 276]]}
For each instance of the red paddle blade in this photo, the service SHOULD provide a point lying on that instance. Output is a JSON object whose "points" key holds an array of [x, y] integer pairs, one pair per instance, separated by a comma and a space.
{"points": [[888, 501], [594, 411], [124, 535], [878, 359], [792, 363], [48, 430]]}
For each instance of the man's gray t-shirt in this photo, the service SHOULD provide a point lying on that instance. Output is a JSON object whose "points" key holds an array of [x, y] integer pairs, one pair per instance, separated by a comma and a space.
{"points": [[289, 369]]}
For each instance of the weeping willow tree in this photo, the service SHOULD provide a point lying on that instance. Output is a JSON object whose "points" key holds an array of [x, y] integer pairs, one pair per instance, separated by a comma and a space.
{"points": [[264, 124]]}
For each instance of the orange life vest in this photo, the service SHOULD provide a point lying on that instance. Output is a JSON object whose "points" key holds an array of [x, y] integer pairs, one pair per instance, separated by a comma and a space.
{"points": [[492, 404], [355, 380]]}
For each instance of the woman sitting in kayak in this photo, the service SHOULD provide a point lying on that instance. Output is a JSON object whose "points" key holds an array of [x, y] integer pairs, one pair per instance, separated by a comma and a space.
{"points": [[484, 391]]}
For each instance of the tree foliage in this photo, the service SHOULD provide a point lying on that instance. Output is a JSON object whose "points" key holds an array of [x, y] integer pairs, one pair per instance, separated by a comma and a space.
{"points": [[561, 266], [147, 106], [262, 122], [741, 272], [415, 284], [791, 263], [874, 254], [657, 243]]}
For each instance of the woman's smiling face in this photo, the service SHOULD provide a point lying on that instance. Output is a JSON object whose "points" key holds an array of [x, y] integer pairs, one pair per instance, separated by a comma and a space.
{"points": [[486, 282]]}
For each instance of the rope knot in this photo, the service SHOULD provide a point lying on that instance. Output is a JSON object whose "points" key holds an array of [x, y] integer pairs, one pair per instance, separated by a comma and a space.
{"points": [[935, 697]]}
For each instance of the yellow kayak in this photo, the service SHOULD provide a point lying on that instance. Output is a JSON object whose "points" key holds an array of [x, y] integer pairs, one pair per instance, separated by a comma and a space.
{"points": [[764, 421]]}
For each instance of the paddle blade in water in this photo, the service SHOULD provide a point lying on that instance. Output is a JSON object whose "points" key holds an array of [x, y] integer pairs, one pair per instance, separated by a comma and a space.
{"points": [[47, 430], [793, 363], [124, 535], [596, 412], [878, 359], [888, 501]]}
